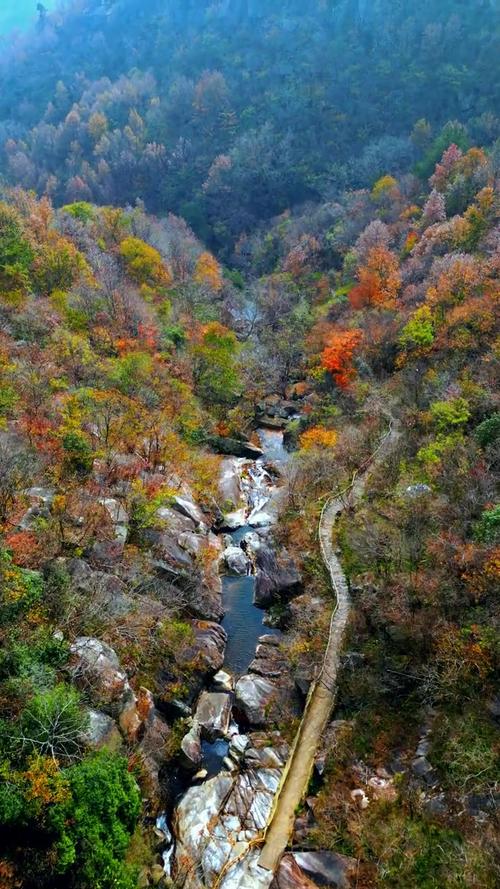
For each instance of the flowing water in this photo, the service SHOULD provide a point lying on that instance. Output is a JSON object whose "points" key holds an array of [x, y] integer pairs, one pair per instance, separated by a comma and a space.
{"points": [[242, 621]]}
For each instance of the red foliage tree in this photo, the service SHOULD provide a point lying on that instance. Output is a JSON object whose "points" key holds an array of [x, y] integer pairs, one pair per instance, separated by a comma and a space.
{"points": [[338, 354]]}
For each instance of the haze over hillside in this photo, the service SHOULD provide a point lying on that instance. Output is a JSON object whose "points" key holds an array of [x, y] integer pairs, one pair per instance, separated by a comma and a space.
{"points": [[21, 13]]}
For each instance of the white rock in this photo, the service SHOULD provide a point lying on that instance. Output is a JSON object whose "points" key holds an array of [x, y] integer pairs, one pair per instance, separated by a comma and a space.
{"points": [[223, 681], [236, 560]]}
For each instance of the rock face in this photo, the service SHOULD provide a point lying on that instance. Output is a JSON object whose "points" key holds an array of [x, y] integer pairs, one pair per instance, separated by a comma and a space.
{"points": [[238, 805], [177, 547], [105, 592], [118, 516], [230, 482], [278, 578]]}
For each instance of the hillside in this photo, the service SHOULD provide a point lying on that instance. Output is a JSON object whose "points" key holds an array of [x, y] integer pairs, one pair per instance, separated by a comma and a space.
{"points": [[228, 114]]}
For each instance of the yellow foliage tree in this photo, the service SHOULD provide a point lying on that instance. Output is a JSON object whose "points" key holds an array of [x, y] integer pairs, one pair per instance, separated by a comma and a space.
{"points": [[208, 272]]}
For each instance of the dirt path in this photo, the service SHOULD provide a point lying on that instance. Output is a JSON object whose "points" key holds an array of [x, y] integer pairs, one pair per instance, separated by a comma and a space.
{"points": [[322, 695]]}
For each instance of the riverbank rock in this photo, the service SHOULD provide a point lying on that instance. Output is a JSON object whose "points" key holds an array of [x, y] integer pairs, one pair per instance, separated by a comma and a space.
{"points": [[213, 714], [278, 578], [254, 698], [269, 661], [223, 681], [209, 645], [235, 447], [236, 562], [216, 820], [230, 482]]}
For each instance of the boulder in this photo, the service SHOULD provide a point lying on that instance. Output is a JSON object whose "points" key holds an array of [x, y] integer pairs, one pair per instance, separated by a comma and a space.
{"points": [[190, 510], [209, 645], [254, 697], [235, 446], [106, 553], [95, 667], [233, 520], [101, 731], [191, 747], [104, 592], [290, 876], [175, 521], [223, 681], [213, 714], [328, 868], [278, 578], [118, 515], [235, 560], [269, 659]]}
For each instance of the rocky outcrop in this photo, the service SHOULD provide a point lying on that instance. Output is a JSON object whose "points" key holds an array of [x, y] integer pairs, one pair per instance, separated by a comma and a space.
{"points": [[277, 577], [183, 543], [216, 820], [95, 667], [106, 595], [209, 645]]}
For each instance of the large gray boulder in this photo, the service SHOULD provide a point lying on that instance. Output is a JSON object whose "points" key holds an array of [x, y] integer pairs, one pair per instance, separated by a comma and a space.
{"points": [[101, 731], [328, 868], [278, 577], [95, 667], [235, 560], [254, 698], [213, 714]]}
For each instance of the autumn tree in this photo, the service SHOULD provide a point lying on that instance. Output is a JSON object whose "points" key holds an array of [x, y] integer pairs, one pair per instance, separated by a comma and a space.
{"points": [[379, 281], [337, 357]]}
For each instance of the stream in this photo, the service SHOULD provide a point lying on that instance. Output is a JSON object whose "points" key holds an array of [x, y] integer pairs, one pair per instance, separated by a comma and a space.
{"points": [[243, 621]]}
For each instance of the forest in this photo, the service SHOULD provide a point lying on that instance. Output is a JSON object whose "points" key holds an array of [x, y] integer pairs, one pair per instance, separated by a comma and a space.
{"points": [[223, 224]]}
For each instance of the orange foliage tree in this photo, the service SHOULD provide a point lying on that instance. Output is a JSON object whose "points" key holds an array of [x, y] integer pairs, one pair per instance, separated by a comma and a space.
{"points": [[338, 354], [379, 281]]}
